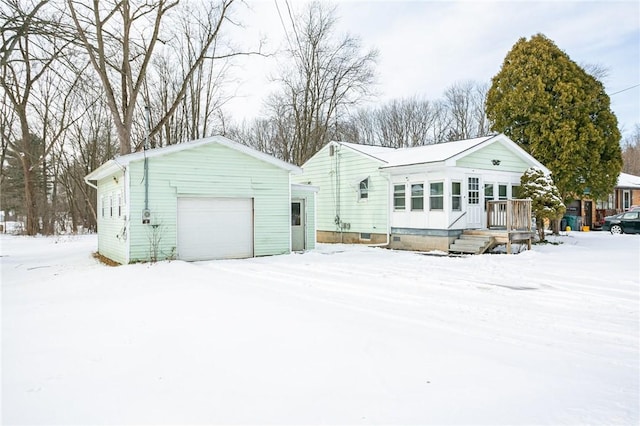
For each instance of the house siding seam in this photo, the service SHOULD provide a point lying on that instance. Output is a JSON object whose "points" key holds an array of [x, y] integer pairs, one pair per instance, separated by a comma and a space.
{"points": [[211, 170]]}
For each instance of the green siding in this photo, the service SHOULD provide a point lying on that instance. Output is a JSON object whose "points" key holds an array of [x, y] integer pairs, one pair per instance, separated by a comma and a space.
{"points": [[309, 198], [208, 171], [368, 216], [481, 159], [112, 233]]}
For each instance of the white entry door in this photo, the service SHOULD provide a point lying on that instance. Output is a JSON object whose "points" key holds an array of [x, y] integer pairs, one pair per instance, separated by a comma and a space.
{"points": [[475, 208], [214, 228], [297, 225]]}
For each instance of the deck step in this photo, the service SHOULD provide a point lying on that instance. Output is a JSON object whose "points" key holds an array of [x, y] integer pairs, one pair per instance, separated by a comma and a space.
{"points": [[469, 243]]}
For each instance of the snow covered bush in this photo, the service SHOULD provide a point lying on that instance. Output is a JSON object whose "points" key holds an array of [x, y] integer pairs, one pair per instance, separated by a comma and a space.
{"points": [[546, 202]]}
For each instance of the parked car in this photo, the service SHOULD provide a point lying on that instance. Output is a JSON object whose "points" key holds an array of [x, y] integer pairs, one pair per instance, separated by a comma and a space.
{"points": [[623, 223]]}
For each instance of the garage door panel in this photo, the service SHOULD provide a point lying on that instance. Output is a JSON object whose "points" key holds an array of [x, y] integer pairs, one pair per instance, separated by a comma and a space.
{"points": [[215, 228]]}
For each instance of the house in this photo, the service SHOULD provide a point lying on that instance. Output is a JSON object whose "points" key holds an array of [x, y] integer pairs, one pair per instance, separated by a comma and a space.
{"points": [[625, 194], [419, 198], [211, 198]]}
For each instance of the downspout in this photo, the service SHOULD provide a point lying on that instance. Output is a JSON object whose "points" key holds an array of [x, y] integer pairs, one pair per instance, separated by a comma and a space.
{"points": [[388, 233], [146, 161]]}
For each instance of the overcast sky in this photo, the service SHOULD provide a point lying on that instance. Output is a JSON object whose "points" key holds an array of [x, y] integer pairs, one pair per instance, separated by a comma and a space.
{"points": [[426, 46]]}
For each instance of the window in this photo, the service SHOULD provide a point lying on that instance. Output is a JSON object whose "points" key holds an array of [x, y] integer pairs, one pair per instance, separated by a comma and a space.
{"points": [[296, 209], [474, 190], [626, 199], [515, 192], [119, 204], [366, 236], [436, 196], [488, 194], [111, 205], [456, 199], [103, 206], [364, 189], [417, 196], [399, 197], [502, 192]]}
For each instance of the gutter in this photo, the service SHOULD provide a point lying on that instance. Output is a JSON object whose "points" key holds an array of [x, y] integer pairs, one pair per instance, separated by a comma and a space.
{"points": [[89, 183]]}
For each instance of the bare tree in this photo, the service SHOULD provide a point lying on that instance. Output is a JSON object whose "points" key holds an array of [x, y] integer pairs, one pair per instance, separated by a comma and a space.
{"points": [[327, 74], [122, 38], [465, 104], [37, 85], [631, 152]]}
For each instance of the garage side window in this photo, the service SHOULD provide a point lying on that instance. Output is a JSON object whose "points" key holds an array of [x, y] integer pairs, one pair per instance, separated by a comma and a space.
{"points": [[119, 204], [103, 206]]}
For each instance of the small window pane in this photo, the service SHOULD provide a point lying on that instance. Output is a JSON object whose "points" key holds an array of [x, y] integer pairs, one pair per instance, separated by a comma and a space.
{"points": [[515, 191], [295, 214]]}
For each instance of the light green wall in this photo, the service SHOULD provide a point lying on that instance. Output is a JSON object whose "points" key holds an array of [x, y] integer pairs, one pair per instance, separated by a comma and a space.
{"points": [[481, 159], [368, 216], [211, 170], [309, 198], [112, 232]]}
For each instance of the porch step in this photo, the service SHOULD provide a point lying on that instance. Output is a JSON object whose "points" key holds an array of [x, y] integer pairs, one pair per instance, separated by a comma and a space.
{"points": [[469, 243]]}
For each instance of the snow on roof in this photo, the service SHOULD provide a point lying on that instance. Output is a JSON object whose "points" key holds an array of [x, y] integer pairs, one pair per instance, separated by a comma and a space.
{"points": [[417, 154], [628, 181]]}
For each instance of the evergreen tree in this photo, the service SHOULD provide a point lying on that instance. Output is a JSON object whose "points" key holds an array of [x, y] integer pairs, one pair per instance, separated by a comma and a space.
{"points": [[546, 202], [558, 113]]}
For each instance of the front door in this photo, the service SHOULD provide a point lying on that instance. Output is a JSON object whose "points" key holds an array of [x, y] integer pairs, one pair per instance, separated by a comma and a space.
{"points": [[474, 203], [588, 206], [297, 225]]}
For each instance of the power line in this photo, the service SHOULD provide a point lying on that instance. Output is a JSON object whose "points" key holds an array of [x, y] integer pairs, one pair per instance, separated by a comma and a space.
{"points": [[624, 90]]}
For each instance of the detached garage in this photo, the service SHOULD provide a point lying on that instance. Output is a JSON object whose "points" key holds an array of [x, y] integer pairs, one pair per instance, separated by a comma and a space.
{"points": [[207, 199]]}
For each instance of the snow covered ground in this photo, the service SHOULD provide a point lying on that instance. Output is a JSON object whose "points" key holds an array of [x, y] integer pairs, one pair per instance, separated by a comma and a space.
{"points": [[342, 335]]}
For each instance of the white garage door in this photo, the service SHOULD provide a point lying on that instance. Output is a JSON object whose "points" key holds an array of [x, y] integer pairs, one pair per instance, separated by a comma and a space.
{"points": [[215, 228]]}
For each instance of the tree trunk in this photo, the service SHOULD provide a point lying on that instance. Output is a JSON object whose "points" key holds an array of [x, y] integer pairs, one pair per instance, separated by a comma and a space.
{"points": [[29, 197]]}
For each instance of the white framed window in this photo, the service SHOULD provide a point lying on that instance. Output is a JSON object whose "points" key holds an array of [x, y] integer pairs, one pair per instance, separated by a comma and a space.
{"points": [[488, 194], [502, 192], [436, 196], [103, 206], [399, 197], [515, 192], [456, 196], [417, 196], [111, 205], [473, 191], [363, 190]]}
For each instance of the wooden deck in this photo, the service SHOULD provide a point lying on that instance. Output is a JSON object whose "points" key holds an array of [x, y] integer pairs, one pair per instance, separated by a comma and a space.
{"points": [[508, 222]]}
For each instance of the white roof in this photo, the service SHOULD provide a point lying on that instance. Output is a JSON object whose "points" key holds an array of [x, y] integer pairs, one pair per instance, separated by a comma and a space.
{"points": [[628, 181], [396, 157], [118, 163]]}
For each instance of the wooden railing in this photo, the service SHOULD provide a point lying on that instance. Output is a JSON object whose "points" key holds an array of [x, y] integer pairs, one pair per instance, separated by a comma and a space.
{"points": [[510, 215]]}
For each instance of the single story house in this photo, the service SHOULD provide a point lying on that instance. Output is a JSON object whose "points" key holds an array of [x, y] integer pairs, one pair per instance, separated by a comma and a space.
{"points": [[418, 198], [625, 194], [211, 198]]}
